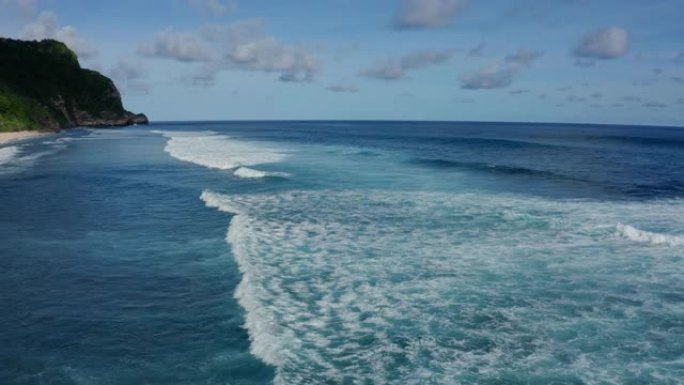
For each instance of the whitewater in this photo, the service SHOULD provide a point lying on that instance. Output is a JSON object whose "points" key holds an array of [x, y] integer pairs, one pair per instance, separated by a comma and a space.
{"points": [[380, 285], [348, 253]]}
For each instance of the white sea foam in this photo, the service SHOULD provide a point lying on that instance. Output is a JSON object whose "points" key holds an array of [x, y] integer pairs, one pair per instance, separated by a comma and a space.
{"points": [[408, 287], [250, 173], [636, 235], [213, 150], [7, 154]]}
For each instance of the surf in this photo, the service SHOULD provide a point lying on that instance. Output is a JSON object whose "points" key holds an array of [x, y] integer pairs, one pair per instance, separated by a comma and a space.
{"points": [[7, 154], [350, 285], [212, 150]]}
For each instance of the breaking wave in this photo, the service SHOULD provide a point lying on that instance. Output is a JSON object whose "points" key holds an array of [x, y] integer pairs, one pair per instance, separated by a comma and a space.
{"points": [[7, 154], [250, 173], [636, 235], [427, 287], [212, 150]]}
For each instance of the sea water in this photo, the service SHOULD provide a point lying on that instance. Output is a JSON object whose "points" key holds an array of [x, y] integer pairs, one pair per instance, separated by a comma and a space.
{"points": [[344, 253]]}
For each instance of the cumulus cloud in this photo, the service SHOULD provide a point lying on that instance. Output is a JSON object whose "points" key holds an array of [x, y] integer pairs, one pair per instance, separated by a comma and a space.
{"points": [[607, 43], [385, 70], [415, 14], [499, 74], [395, 69], [342, 88], [46, 26], [214, 7], [242, 45], [185, 47], [129, 76], [492, 76], [245, 45]]}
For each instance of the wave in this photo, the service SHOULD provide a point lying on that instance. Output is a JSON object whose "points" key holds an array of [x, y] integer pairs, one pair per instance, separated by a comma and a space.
{"points": [[17, 158], [490, 168], [347, 286], [641, 236], [259, 322], [7, 154], [212, 150], [250, 173]]}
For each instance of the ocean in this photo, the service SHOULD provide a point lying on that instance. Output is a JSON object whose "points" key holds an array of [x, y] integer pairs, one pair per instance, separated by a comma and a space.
{"points": [[343, 253]]}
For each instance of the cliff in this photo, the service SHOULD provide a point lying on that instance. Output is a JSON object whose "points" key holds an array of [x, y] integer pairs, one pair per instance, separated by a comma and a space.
{"points": [[42, 86]]}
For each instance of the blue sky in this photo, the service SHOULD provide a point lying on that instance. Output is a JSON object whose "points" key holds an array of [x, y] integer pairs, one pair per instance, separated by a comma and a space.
{"points": [[603, 61]]}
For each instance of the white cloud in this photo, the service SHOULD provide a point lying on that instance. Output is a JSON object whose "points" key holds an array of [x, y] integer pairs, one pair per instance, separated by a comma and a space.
{"points": [[395, 69], [214, 7], [607, 43], [427, 13], [245, 45], [46, 26], [492, 76], [499, 75], [385, 70], [185, 47]]}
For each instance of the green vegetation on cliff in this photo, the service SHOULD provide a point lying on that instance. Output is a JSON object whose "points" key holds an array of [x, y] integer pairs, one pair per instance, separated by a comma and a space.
{"points": [[42, 86]]}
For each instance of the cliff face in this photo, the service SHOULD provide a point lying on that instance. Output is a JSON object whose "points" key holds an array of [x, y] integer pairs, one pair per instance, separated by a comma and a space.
{"points": [[42, 86]]}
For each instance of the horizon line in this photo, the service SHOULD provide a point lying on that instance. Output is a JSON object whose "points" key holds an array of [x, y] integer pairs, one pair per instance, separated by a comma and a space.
{"points": [[414, 121]]}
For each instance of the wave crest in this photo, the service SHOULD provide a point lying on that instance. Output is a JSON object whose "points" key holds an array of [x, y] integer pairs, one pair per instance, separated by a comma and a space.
{"points": [[250, 173], [641, 236], [213, 150]]}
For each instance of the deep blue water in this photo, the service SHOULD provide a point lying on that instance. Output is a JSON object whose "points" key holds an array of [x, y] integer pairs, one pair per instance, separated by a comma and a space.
{"points": [[343, 253]]}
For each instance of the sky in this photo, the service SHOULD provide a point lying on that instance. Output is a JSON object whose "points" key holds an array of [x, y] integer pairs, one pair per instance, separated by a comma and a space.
{"points": [[590, 61]]}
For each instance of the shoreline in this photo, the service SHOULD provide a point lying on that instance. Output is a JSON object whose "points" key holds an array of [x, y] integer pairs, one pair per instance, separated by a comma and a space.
{"points": [[15, 136]]}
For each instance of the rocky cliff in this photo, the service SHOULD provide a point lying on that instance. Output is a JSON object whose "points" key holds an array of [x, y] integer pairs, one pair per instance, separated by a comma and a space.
{"points": [[43, 87]]}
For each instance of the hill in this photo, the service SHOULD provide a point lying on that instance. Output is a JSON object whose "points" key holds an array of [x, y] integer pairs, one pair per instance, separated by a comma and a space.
{"points": [[43, 87]]}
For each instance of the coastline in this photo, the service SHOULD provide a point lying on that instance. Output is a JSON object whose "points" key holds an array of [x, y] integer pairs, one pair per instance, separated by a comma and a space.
{"points": [[15, 136]]}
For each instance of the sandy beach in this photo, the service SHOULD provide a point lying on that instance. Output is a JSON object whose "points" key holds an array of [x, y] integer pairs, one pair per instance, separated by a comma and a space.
{"points": [[8, 137]]}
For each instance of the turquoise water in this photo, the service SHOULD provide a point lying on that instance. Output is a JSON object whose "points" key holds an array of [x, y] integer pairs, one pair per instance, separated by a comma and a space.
{"points": [[344, 253]]}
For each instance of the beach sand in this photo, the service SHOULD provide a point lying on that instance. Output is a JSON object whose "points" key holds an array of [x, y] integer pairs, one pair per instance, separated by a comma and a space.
{"points": [[8, 137]]}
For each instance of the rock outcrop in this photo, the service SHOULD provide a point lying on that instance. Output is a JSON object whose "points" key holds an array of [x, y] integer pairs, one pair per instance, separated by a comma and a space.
{"points": [[42, 86]]}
